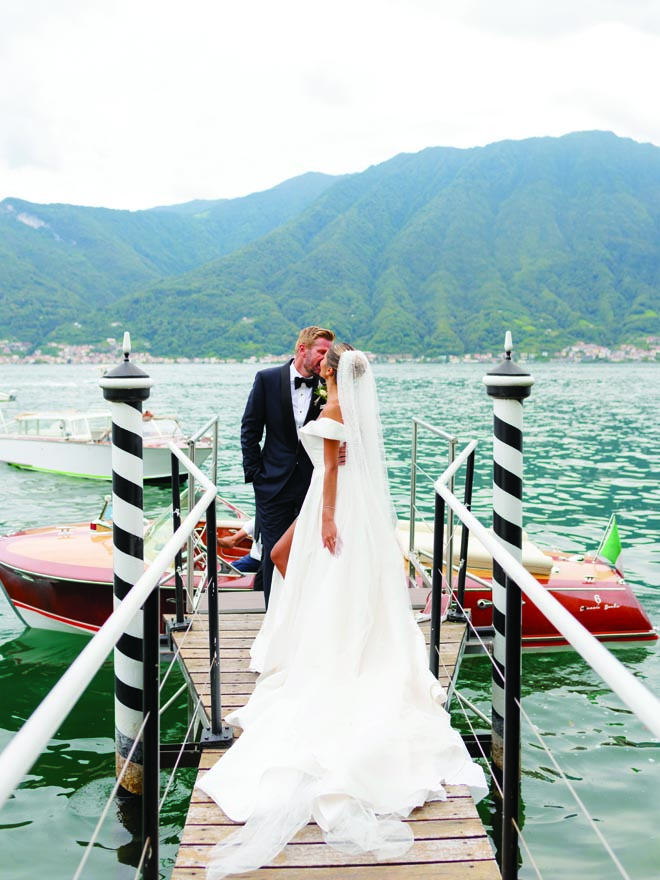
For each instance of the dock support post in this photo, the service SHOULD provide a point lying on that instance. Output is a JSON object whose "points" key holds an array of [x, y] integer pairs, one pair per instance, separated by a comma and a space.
{"points": [[508, 385], [136, 658], [436, 584], [219, 733]]}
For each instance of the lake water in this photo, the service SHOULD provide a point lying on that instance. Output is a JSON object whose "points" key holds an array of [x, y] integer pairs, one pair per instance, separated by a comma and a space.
{"points": [[590, 450]]}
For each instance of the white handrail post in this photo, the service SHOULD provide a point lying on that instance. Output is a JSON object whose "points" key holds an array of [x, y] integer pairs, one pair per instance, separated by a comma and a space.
{"points": [[508, 385]]}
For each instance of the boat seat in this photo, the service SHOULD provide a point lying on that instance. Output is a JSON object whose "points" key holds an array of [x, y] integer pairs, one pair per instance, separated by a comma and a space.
{"points": [[479, 559]]}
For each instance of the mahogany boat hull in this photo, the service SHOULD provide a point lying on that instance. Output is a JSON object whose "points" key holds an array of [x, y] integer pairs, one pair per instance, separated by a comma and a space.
{"points": [[61, 578], [592, 591]]}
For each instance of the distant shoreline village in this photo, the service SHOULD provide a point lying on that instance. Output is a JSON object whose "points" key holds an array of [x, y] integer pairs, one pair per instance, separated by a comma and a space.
{"points": [[56, 353]]}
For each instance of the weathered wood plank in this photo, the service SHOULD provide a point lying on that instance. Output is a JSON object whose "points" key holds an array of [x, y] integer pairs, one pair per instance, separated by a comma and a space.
{"points": [[204, 810], [298, 855], [450, 841], [468, 870], [209, 834]]}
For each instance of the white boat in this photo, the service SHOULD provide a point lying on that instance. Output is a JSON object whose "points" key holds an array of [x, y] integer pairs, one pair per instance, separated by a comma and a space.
{"points": [[77, 443], [6, 396]]}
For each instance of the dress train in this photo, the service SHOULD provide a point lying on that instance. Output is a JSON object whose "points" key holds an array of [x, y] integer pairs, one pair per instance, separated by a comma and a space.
{"points": [[346, 724]]}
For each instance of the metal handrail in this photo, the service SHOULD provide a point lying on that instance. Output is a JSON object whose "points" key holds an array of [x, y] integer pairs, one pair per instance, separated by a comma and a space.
{"points": [[632, 693], [199, 434], [192, 445], [452, 441], [212, 422], [29, 742]]}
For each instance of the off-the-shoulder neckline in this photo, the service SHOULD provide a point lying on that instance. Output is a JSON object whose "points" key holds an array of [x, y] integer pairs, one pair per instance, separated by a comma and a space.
{"points": [[329, 419]]}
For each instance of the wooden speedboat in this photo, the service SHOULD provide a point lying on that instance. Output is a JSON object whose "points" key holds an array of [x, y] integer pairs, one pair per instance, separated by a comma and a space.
{"points": [[61, 577], [77, 443], [593, 590]]}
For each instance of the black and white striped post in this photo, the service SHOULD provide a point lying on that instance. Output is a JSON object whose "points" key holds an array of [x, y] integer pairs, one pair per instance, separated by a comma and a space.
{"points": [[126, 387], [508, 385]]}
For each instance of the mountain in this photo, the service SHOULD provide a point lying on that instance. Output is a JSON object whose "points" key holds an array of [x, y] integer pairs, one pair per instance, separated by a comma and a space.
{"points": [[59, 261], [431, 253]]}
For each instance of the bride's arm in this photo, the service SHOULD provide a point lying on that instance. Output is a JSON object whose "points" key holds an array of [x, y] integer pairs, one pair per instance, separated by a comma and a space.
{"points": [[328, 526]]}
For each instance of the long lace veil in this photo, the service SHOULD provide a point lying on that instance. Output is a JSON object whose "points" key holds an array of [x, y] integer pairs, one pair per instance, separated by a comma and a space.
{"points": [[358, 400]]}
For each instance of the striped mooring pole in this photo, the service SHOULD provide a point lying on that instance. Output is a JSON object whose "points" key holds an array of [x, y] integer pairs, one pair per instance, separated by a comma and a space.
{"points": [[508, 385], [126, 387]]}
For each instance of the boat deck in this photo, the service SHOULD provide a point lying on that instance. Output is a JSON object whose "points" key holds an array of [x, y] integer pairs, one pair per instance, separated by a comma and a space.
{"points": [[450, 840]]}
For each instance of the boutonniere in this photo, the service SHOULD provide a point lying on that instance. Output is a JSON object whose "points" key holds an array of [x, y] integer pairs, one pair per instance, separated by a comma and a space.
{"points": [[320, 393]]}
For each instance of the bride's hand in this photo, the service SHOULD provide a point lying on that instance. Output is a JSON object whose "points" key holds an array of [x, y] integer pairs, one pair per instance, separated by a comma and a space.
{"points": [[330, 537]]}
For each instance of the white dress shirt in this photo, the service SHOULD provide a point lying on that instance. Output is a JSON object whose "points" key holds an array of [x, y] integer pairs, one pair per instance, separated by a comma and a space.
{"points": [[300, 397], [255, 550]]}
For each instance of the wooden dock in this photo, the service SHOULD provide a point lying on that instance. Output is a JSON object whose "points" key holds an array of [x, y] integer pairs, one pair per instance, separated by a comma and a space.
{"points": [[450, 840]]}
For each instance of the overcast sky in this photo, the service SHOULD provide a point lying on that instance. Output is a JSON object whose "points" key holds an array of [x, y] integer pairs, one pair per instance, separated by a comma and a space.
{"points": [[137, 103]]}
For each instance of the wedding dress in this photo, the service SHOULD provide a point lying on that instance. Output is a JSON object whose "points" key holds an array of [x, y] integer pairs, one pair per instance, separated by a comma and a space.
{"points": [[346, 724]]}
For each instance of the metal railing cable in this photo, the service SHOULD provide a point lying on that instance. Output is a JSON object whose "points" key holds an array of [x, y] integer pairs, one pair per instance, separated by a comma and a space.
{"points": [[191, 724], [196, 615], [643, 704], [632, 693], [560, 772], [567, 782], [173, 698], [193, 712], [30, 741], [109, 802], [26, 746], [627, 687]]}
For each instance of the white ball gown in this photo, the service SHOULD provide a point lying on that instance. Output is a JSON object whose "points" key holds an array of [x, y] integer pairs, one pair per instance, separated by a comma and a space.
{"points": [[345, 725]]}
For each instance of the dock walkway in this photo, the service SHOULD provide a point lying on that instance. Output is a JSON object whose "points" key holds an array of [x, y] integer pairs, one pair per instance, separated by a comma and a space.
{"points": [[450, 840]]}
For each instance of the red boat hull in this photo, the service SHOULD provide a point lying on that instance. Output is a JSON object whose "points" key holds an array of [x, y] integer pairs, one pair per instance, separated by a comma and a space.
{"points": [[81, 606], [594, 593], [61, 578]]}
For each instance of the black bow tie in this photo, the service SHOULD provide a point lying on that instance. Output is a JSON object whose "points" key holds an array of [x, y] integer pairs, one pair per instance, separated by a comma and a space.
{"points": [[301, 380]]}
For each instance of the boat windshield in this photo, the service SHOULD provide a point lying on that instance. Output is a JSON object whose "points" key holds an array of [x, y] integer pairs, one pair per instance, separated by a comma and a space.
{"points": [[155, 427], [159, 531], [42, 426], [77, 429], [65, 426], [100, 426], [157, 534]]}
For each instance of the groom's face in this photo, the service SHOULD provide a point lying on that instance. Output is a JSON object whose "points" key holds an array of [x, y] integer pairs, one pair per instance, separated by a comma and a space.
{"points": [[313, 356]]}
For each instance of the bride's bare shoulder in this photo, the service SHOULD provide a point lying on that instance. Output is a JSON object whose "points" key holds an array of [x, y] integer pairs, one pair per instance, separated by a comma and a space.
{"points": [[332, 411]]}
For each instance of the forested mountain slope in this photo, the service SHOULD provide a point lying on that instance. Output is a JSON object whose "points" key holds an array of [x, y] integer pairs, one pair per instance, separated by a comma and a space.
{"points": [[439, 252], [59, 261], [431, 253]]}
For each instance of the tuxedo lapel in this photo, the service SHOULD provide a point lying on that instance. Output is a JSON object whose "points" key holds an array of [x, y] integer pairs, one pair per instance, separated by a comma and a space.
{"points": [[314, 410]]}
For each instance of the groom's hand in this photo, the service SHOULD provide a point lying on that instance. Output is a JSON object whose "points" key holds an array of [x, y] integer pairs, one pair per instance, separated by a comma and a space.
{"points": [[341, 458]]}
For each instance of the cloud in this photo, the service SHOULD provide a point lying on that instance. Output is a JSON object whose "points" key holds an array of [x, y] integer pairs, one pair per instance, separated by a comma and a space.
{"points": [[543, 20], [125, 104]]}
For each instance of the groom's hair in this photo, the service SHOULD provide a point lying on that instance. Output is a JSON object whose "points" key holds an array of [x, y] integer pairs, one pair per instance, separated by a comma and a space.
{"points": [[309, 335]]}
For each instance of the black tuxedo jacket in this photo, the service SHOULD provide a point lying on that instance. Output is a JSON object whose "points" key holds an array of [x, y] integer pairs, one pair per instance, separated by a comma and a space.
{"points": [[269, 408]]}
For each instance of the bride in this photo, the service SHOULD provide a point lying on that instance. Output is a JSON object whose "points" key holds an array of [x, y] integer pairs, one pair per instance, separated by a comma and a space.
{"points": [[345, 726]]}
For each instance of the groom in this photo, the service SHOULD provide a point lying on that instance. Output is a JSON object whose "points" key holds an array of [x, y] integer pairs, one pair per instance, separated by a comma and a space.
{"points": [[282, 400]]}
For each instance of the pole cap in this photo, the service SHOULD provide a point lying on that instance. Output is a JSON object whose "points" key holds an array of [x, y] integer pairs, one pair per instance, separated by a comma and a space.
{"points": [[507, 380], [126, 383]]}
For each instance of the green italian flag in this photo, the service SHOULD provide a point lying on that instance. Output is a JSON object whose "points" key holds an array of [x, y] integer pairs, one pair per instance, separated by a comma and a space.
{"points": [[610, 546]]}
